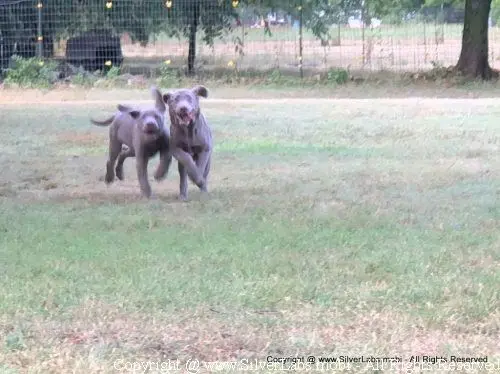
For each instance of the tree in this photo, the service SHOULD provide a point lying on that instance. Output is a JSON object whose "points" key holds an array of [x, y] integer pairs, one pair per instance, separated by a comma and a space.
{"points": [[139, 19], [473, 60], [320, 15], [187, 17]]}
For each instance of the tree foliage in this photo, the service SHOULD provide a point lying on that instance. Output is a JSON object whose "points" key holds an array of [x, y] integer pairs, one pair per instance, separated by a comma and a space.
{"points": [[213, 16], [320, 15], [64, 18], [437, 3], [139, 19]]}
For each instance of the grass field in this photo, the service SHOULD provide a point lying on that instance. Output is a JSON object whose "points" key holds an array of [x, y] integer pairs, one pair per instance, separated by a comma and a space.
{"points": [[354, 227]]}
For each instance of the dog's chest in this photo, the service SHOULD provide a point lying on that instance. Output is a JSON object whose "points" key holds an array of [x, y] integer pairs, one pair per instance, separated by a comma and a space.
{"points": [[153, 146], [191, 149], [190, 141]]}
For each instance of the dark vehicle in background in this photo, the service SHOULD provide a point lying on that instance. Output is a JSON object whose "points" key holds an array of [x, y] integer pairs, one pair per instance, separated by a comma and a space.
{"points": [[94, 50]]}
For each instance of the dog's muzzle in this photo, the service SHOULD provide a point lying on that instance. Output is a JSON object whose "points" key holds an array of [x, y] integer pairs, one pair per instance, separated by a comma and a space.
{"points": [[151, 128], [185, 117]]}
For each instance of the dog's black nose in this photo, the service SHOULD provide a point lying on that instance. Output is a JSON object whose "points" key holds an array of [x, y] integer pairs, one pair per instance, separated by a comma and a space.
{"points": [[151, 127], [183, 109]]}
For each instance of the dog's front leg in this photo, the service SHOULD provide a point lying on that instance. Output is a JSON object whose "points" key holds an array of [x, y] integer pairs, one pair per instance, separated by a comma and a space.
{"points": [[164, 164], [114, 150], [202, 163], [192, 170], [183, 185], [165, 158], [124, 154], [142, 174], [141, 163]]}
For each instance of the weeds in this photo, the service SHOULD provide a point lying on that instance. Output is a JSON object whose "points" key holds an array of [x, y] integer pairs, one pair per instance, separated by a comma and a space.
{"points": [[113, 73], [37, 73], [31, 73], [337, 76], [168, 76]]}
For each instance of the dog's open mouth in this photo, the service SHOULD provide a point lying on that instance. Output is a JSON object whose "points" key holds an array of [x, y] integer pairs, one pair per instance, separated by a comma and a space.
{"points": [[151, 129], [185, 118]]}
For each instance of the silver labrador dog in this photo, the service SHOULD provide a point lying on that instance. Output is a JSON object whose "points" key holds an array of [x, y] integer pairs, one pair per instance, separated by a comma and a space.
{"points": [[144, 133], [190, 137]]}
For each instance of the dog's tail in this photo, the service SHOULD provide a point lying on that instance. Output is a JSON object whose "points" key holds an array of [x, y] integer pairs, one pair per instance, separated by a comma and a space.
{"points": [[106, 122]]}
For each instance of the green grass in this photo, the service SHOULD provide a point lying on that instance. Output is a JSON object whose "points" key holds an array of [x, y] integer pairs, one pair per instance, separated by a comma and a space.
{"points": [[355, 227]]}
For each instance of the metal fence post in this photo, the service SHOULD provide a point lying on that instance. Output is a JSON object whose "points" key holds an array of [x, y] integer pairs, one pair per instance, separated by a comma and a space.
{"points": [[363, 31], [39, 38], [301, 46]]}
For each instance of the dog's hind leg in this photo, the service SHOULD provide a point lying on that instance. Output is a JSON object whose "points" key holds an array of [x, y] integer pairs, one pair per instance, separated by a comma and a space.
{"points": [[115, 148], [124, 154]]}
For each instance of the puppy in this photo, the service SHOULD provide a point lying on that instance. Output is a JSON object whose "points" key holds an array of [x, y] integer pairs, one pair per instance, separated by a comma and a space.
{"points": [[190, 137], [144, 133]]}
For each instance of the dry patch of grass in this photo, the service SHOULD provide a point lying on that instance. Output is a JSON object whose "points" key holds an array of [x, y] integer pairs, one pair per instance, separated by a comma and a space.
{"points": [[86, 139], [95, 336], [375, 85]]}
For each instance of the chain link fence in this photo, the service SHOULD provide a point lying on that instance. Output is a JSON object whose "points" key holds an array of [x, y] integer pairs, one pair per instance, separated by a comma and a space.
{"points": [[216, 34]]}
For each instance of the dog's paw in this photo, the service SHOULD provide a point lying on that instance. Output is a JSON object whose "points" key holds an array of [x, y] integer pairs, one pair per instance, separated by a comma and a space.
{"points": [[201, 184], [146, 192], [160, 176], [109, 178], [183, 198], [119, 174], [153, 197]]}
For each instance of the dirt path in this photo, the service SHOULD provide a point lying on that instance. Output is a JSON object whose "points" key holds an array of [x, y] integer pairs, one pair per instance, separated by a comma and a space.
{"points": [[381, 101], [79, 96]]}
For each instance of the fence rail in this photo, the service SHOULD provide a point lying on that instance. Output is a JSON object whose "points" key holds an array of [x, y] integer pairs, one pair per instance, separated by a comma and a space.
{"points": [[251, 41]]}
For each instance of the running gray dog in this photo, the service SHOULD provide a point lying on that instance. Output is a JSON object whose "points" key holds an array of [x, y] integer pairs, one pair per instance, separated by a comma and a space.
{"points": [[144, 133], [190, 137]]}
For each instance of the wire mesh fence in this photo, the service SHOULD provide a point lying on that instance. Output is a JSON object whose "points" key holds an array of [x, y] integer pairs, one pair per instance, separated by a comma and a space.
{"points": [[212, 34]]}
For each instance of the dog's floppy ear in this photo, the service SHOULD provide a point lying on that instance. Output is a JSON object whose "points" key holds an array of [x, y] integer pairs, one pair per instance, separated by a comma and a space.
{"points": [[124, 108], [159, 103], [132, 112], [200, 91]]}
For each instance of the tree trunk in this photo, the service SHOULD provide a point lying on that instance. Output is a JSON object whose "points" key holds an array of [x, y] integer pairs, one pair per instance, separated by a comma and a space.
{"points": [[473, 61], [193, 30]]}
